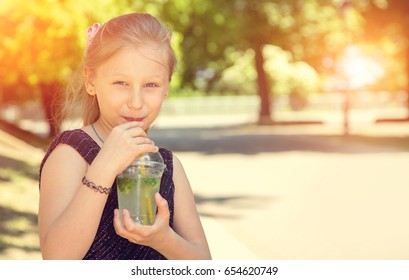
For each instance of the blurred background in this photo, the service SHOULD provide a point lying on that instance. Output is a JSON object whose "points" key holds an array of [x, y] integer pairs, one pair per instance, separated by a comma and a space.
{"points": [[298, 110]]}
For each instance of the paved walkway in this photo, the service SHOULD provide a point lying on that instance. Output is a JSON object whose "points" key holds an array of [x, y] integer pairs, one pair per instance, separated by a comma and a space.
{"points": [[298, 192]]}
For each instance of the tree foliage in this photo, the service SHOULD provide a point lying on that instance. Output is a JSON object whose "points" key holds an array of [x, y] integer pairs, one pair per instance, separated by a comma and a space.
{"points": [[213, 33], [387, 29], [42, 41], [221, 45]]}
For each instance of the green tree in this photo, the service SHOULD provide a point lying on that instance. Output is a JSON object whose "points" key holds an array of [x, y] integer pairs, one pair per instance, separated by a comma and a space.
{"points": [[388, 28], [42, 43], [212, 31]]}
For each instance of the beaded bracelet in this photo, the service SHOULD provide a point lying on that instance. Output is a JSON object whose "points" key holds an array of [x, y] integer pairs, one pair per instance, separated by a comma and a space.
{"points": [[96, 188]]}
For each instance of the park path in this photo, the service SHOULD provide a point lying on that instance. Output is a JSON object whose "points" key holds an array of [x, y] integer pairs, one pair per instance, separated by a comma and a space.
{"points": [[298, 192], [290, 192]]}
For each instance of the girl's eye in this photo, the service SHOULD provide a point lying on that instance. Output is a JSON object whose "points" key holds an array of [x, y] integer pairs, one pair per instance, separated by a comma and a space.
{"points": [[121, 83], [151, 85]]}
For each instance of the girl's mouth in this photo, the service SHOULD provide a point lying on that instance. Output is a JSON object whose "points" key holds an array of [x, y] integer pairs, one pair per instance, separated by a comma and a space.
{"points": [[130, 119]]}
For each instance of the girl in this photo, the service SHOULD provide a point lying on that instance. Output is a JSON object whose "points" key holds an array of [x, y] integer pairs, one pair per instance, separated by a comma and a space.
{"points": [[126, 74]]}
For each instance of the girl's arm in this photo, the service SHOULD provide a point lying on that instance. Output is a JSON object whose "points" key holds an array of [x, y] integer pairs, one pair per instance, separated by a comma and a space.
{"points": [[69, 212], [187, 240], [190, 241]]}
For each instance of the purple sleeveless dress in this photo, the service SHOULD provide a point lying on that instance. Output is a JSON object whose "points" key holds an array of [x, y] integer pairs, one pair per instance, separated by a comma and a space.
{"points": [[107, 244]]}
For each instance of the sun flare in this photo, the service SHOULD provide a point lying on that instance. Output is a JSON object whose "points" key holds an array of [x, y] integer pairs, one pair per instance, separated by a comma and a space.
{"points": [[358, 69]]}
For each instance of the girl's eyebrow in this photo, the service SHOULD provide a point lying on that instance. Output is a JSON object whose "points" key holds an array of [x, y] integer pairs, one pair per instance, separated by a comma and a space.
{"points": [[130, 76], [119, 74]]}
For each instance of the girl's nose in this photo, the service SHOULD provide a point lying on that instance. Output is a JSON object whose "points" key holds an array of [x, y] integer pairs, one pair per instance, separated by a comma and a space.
{"points": [[135, 100]]}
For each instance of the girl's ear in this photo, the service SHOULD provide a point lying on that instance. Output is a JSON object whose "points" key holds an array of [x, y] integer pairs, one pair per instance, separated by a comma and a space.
{"points": [[89, 81]]}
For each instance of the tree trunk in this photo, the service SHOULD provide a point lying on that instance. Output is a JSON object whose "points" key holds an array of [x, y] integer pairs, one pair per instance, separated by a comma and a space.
{"points": [[263, 88], [51, 105], [407, 84]]}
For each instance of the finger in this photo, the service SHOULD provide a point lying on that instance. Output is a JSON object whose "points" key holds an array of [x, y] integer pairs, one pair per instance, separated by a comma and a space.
{"points": [[137, 132], [126, 227], [118, 225], [129, 125], [129, 130], [143, 145], [163, 209], [148, 148], [129, 224], [143, 140]]}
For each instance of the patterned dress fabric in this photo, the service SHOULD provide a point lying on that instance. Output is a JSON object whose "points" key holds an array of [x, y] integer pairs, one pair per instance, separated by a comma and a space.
{"points": [[107, 245]]}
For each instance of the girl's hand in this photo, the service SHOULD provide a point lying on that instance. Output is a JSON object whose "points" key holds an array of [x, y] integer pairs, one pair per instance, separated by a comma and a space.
{"points": [[153, 236], [125, 142]]}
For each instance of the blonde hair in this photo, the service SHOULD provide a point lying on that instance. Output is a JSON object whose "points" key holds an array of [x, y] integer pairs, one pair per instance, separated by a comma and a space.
{"points": [[136, 29]]}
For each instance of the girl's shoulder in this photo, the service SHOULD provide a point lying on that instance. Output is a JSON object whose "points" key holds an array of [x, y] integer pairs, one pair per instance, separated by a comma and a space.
{"points": [[178, 171], [71, 137], [78, 140]]}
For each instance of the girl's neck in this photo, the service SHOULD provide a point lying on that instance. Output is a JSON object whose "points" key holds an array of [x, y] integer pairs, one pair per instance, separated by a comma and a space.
{"points": [[100, 130], [97, 134]]}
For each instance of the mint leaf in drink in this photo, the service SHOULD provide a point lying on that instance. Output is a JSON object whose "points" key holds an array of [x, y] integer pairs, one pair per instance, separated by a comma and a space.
{"points": [[150, 181], [125, 184]]}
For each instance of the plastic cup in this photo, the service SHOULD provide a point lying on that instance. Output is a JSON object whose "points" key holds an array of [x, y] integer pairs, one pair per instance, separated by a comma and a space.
{"points": [[137, 186]]}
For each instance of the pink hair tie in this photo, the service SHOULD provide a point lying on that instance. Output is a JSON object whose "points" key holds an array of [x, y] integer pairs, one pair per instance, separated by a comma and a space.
{"points": [[91, 31]]}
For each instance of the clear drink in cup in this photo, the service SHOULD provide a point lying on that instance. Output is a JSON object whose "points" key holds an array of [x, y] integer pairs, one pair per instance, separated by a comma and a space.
{"points": [[137, 186]]}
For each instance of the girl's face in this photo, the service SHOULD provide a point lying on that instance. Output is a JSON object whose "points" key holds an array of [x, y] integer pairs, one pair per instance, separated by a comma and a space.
{"points": [[131, 86]]}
